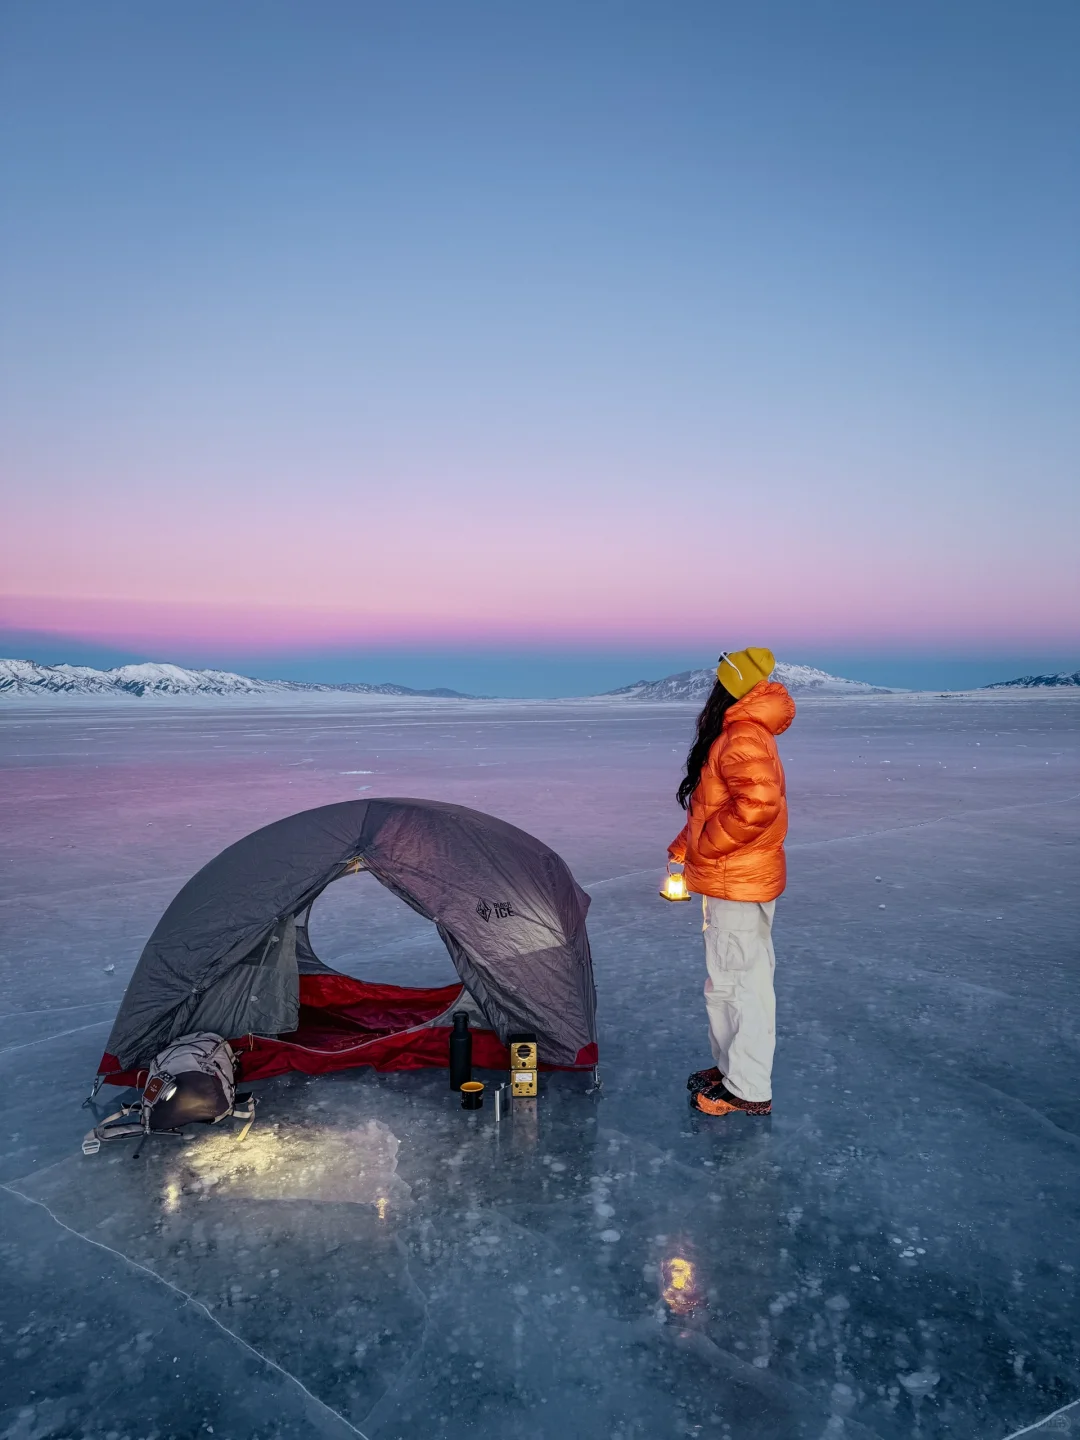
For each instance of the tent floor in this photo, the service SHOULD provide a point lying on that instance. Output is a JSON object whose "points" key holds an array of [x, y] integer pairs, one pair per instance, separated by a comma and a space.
{"points": [[346, 1022]]}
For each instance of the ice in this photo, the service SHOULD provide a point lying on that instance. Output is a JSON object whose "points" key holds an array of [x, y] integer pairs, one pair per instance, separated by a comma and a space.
{"points": [[892, 1254]]}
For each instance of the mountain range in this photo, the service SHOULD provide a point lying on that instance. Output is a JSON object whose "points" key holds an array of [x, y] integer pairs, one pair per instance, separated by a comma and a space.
{"points": [[26, 678], [1038, 682], [696, 684]]}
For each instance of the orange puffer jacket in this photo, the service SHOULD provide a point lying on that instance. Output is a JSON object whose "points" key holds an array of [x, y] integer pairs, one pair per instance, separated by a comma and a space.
{"points": [[732, 845]]}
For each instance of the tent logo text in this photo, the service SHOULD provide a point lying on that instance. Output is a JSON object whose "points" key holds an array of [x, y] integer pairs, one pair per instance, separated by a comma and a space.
{"points": [[501, 909]]}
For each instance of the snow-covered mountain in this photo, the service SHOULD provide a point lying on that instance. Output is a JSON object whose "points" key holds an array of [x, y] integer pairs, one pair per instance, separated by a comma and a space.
{"points": [[27, 678], [1038, 682], [696, 684]]}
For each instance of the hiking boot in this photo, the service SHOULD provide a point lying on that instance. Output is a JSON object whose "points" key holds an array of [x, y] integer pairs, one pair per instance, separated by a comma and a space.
{"points": [[718, 1100], [702, 1079]]}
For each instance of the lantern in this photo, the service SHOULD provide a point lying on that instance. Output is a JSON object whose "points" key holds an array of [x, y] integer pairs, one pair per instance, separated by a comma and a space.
{"points": [[674, 886]]}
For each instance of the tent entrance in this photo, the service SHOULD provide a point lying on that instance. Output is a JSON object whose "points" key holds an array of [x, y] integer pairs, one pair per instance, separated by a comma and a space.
{"points": [[359, 927], [347, 1020]]}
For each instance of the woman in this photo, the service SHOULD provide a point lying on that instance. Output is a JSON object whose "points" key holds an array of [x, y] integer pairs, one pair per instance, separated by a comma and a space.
{"points": [[732, 850]]}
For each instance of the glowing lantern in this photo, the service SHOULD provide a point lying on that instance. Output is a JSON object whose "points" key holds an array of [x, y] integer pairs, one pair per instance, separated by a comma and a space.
{"points": [[674, 886]]}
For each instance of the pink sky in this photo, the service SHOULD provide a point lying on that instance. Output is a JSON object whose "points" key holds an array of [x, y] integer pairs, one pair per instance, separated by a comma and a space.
{"points": [[466, 554], [376, 595]]}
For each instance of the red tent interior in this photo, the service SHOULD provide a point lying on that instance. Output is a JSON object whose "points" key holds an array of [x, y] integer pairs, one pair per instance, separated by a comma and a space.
{"points": [[346, 1022]]}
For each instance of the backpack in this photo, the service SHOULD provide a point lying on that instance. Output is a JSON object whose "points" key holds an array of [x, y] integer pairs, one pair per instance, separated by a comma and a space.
{"points": [[191, 1082]]}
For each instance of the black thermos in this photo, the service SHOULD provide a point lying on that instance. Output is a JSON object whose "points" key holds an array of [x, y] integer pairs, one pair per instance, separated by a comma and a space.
{"points": [[460, 1050]]}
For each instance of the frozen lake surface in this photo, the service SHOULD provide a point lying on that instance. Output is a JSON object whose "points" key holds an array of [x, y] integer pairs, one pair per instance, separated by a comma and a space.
{"points": [[893, 1253]]}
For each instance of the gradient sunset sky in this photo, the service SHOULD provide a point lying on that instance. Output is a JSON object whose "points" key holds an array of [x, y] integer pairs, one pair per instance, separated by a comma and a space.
{"points": [[534, 348]]}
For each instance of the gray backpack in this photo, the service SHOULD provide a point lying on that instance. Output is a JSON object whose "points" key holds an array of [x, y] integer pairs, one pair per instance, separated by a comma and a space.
{"points": [[191, 1082]]}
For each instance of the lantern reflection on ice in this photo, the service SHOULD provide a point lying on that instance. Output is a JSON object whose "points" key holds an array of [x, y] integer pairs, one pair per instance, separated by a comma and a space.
{"points": [[674, 886], [680, 1291]]}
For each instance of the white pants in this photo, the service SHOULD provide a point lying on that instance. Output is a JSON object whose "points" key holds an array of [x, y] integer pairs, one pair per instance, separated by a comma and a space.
{"points": [[739, 994]]}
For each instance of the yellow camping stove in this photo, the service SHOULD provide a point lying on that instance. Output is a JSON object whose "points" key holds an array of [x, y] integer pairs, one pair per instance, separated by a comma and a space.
{"points": [[523, 1064]]}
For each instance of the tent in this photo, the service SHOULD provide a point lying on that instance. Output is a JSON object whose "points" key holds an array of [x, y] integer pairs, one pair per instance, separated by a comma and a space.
{"points": [[232, 955]]}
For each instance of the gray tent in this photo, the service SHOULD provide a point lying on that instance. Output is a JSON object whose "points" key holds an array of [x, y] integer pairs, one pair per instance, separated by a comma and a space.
{"points": [[231, 953]]}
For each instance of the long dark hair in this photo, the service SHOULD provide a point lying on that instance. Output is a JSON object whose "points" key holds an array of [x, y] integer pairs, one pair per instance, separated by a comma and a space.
{"points": [[709, 724]]}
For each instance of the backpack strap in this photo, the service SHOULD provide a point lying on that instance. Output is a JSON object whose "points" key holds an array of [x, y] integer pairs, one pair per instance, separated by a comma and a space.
{"points": [[244, 1109], [108, 1130]]}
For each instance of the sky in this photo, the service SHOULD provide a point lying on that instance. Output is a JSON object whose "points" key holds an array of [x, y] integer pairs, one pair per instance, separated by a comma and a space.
{"points": [[534, 349]]}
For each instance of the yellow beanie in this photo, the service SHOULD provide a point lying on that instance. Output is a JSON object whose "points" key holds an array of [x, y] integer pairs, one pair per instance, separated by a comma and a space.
{"points": [[741, 670]]}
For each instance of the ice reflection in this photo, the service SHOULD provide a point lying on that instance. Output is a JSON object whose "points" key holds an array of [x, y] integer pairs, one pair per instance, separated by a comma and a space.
{"points": [[680, 1288], [323, 1162]]}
